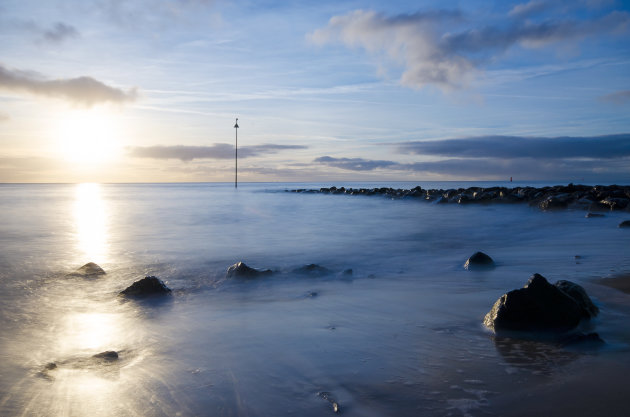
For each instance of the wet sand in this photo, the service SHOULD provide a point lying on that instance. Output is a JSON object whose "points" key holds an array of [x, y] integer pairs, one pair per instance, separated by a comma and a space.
{"points": [[619, 282]]}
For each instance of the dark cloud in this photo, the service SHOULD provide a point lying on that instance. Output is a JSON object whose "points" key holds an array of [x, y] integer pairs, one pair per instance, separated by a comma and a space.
{"points": [[355, 164], [216, 151], [605, 158], [496, 168], [60, 32], [515, 147], [82, 90], [433, 53], [619, 97]]}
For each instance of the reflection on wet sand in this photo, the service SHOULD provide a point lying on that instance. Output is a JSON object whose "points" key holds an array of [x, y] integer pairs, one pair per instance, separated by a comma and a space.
{"points": [[539, 357]]}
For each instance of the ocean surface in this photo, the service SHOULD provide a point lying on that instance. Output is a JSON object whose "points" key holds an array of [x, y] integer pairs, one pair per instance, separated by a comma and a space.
{"points": [[395, 328]]}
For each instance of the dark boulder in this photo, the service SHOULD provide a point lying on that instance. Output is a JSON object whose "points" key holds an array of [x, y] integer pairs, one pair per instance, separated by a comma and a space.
{"points": [[479, 260], [539, 306], [90, 269], [554, 202], [240, 270], [624, 224], [579, 294], [312, 270], [147, 286]]}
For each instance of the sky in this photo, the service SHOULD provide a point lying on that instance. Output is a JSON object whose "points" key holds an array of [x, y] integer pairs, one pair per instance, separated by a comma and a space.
{"points": [[149, 90]]}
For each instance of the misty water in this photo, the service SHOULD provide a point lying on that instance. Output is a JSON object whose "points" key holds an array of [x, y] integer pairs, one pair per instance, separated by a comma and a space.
{"points": [[395, 328]]}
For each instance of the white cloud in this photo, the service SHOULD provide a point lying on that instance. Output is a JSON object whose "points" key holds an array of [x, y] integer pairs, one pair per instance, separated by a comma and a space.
{"points": [[432, 53]]}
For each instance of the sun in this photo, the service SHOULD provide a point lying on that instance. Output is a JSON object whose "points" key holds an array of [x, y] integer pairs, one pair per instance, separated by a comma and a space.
{"points": [[88, 136]]}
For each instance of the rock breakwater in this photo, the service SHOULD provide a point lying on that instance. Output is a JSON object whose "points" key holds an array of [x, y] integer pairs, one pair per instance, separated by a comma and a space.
{"points": [[591, 198]]}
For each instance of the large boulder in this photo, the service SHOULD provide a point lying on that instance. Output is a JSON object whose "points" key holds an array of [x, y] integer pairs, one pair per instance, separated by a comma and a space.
{"points": [[541, 306], [241, 270], [479, 260], [90, 269], [147, 286], [579, 294]]}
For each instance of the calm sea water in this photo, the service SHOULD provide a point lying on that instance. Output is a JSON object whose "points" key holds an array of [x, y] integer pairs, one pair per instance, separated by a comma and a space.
{"points": [[400, 335]]}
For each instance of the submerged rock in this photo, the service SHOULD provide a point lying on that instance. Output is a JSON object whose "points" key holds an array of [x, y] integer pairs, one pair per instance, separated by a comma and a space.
{"points": [[90, 269], [109, 355], [333, 402], [540, 306], [312, 270], [479, 260], [592, 215], [241, 270], [147, 286], [624, 224]]}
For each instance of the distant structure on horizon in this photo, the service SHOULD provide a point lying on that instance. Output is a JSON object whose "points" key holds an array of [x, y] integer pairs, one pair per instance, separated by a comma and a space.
{"points": [[236, 154]]}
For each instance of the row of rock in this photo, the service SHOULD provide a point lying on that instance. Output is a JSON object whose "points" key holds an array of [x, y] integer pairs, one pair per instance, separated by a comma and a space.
{"points": [[538, 306], [592, 198]]}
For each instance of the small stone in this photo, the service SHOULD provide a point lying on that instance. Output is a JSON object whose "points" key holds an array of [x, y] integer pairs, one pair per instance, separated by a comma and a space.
{"points": [[479, 260], [593, 215], [312, 270]]}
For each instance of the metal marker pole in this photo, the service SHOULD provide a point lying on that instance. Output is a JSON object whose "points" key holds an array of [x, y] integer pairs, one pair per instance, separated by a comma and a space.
{"points": [[236, 155]]}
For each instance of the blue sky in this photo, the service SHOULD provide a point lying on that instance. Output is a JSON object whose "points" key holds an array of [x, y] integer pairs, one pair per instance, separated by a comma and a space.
{"points": [[118, 91]]}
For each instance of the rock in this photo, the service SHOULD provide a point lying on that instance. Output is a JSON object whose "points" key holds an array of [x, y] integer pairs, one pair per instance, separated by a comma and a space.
{"points": [[554, 202], [591, 215], [240, 270], [479, 260], [579, 294], [90, 269], [147, 286], [624, 224], [347, 272], [312, 270], [109, 355], [581, 339], [539, 306]]}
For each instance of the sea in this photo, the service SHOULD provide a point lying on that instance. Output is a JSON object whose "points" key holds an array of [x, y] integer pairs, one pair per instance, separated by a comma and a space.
{"points": [[395, 328]]}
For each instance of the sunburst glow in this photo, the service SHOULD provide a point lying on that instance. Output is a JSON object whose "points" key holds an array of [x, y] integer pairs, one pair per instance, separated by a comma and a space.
{"points": [[88, 136]]}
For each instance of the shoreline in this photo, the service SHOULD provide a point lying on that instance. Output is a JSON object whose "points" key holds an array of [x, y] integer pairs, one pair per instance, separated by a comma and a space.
{"points": [[591, 198]]}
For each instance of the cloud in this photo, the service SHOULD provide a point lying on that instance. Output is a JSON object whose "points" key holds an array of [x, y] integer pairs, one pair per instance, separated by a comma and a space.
{"points": [[516, 147], [619, 97], [432, 53], [60, 32], [528, 9], [355, 164], [605, 158], [216, 151], [82, 90]]}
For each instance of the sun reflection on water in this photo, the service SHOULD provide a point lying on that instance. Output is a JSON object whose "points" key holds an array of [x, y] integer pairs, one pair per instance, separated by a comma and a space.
{"points": [[90, 218], [91, 331]]}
